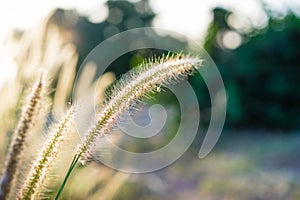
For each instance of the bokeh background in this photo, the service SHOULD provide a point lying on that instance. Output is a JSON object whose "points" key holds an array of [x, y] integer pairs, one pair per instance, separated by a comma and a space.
{"points": [[255, 45]]}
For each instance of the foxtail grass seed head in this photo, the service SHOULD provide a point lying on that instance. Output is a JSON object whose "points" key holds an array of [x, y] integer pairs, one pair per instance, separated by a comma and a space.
{"points": [[46, 158], [26, 122], [132, 87]]}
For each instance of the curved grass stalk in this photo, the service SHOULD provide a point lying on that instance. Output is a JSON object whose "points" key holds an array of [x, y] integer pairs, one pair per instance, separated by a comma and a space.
{"points": [[45, 158], [26, 122], [133, 86], [130, 88]]}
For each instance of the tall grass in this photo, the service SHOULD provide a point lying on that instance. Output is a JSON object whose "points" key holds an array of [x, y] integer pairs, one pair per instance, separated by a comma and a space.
{"points": [[48, 46], [46, 157], [132, 87], [27, 121]]}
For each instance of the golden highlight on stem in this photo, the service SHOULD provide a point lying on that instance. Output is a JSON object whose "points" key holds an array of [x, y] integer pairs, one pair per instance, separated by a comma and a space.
{"points": [[133, 86], [46, 158], [26, 122]]}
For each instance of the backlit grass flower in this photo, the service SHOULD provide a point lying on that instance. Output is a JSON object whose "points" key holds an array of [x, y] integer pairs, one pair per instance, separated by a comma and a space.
{"points": [[135, 85], [131, 88], [46, 158], [26, 122]]}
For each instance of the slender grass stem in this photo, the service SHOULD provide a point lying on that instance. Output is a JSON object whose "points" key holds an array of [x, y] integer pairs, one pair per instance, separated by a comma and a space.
{"points": [[133, 86], [73, 164]]}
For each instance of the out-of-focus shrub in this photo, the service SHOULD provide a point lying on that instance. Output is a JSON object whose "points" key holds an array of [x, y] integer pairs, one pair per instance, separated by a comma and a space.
{"points": [[261, 75]]}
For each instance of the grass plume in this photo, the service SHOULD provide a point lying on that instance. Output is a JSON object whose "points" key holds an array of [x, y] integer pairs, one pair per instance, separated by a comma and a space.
{"points": [[46, 157], [133, 86], [26, 122]]}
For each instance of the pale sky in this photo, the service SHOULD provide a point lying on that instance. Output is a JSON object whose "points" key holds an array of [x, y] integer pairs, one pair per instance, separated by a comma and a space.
{"points": [[188, 17]]}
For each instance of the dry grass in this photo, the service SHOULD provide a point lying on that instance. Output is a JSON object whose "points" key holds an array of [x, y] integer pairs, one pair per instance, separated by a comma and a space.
{"points": [[49, 46]]}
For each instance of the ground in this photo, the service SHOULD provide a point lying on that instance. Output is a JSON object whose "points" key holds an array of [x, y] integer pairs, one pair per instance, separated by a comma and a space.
{"points": [[244, 165]]}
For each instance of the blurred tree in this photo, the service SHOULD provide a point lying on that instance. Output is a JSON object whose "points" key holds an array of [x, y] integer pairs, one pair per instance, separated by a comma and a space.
{"points": [[218, 26], [64, 39], [261, 75], [122, 16]]}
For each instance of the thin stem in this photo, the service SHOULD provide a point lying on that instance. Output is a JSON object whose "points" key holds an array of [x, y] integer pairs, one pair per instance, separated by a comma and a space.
{"points": [[73, 164], [133, 86]]}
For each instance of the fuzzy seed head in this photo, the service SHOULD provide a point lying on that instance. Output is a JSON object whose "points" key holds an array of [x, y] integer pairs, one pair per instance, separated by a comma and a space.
{"points": [[26, 122], [132, 87], [46, 157]]}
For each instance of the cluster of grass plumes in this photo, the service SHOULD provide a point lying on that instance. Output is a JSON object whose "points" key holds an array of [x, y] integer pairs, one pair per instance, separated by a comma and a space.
{"points": [[27, 120], [131, 88], [46, 157]]}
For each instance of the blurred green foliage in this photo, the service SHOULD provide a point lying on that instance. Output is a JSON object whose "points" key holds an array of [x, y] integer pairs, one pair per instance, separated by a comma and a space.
{"points": [[122, 16], [261, 76], [260, 73]]}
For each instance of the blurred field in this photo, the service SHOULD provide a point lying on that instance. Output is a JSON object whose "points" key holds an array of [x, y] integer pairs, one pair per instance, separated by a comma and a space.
{"points": [[261, 79], [244, 165]]}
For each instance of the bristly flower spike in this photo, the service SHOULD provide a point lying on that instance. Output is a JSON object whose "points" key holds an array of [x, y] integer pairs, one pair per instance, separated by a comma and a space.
{"points": [[26, 122], [132, 87], [135, 85], [46, 157]]}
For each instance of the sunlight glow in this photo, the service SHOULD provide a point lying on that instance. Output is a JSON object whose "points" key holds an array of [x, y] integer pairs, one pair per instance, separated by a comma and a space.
{"points": [[188, 17], [231, 40]]}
